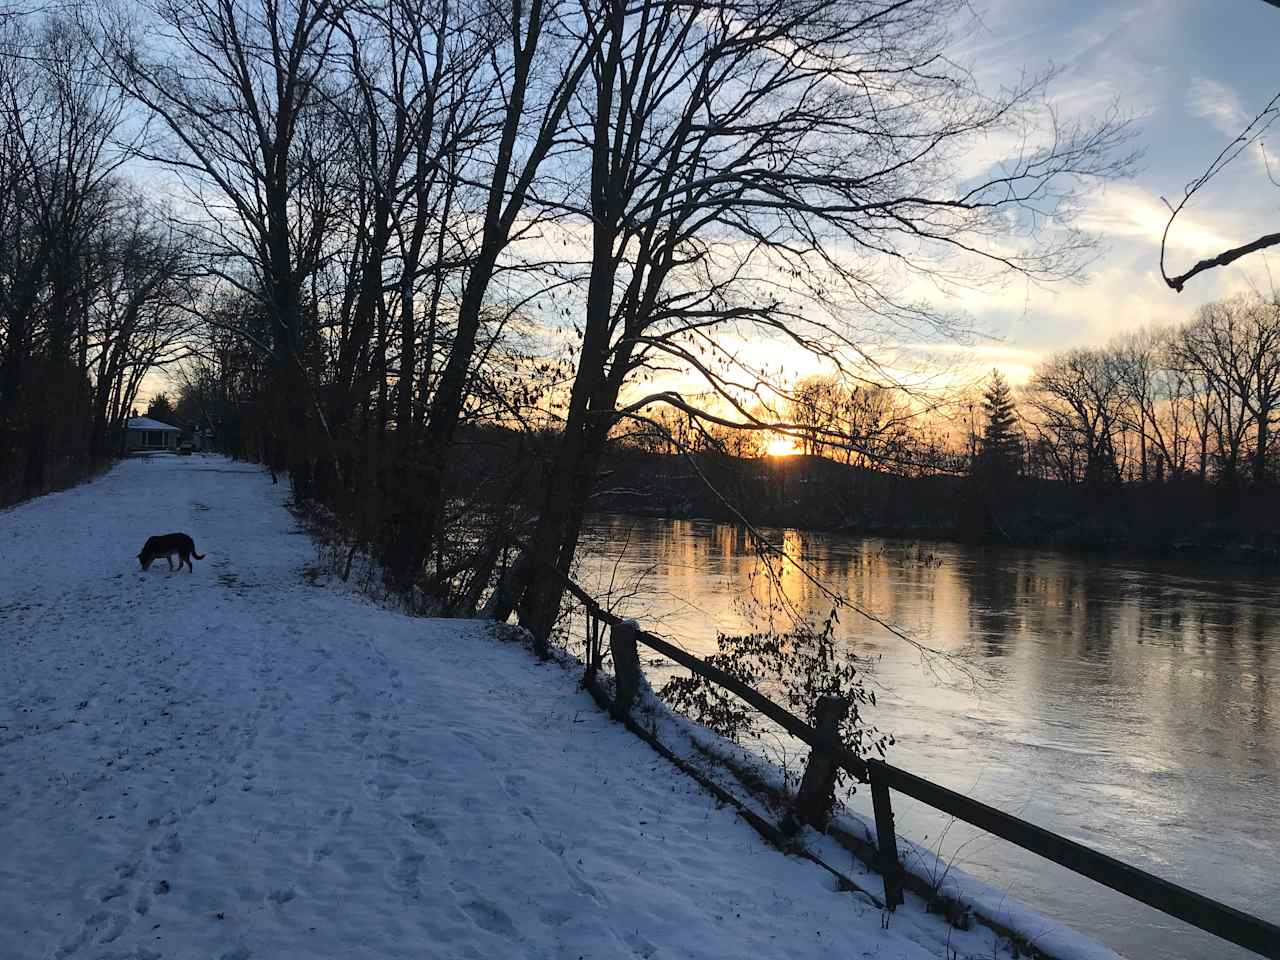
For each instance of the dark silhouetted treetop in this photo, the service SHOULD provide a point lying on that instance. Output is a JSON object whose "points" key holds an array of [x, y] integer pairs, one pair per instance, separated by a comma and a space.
{"points": [[1001, 442]]}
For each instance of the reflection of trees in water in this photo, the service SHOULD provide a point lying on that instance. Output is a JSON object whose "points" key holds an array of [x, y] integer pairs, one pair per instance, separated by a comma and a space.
{"points": [[1187, 660], [1179, 663], [1160, 612], [1237, 641], [996, 587], [1264, 713], [1095, 631]]}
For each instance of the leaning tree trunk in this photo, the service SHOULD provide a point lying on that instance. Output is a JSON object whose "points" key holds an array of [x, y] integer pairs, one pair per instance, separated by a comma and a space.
{"points": [[555, 539], [592, 413]]}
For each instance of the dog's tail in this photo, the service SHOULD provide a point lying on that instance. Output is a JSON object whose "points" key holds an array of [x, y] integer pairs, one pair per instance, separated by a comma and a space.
{"points": [[194, 554]]}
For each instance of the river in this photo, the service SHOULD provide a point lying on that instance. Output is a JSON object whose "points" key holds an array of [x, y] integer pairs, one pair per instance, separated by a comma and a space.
{"points": [[1131, 705]]}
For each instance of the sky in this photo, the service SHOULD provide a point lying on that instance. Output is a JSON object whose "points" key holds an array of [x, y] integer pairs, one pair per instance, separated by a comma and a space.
{"points": [[1192, 74]]}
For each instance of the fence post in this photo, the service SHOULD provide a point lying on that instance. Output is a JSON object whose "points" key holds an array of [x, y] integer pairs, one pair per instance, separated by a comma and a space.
{"points": [[626, 663], [593, 646], [817, 787], [886, 838]]}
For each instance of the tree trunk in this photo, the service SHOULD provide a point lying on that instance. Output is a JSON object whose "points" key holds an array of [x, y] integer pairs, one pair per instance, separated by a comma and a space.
{"points": [[1260, 455]]}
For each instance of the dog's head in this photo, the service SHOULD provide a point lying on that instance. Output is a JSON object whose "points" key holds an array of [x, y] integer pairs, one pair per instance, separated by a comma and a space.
{"points": [[144, 560]]}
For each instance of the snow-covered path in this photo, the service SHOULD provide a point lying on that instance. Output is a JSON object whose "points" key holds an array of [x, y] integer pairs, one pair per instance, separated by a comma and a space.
{"points": [[235, 763]]}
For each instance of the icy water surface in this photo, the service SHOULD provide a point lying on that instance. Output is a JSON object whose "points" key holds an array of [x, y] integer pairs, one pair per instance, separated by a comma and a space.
{"points": [[1130, 705]]}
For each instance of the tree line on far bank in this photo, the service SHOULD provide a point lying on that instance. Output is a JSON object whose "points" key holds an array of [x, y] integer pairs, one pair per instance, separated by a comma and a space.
{"points": [[1199, 400], [1196, 401], [1135, 444]]}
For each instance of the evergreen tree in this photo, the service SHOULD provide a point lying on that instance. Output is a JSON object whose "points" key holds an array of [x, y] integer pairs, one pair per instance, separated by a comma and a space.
{"points": [[1001, 451], [161, 409]]}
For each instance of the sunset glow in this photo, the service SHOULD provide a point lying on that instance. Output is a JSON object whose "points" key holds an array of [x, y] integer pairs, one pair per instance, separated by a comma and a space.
{"points": [[782, 447]]}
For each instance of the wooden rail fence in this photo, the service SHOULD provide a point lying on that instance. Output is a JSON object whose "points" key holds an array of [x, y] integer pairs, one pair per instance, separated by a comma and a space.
{"points": [[1253, 933]]}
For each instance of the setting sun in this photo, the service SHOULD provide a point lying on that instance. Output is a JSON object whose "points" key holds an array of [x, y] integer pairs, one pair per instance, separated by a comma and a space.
{"points": [[782, 447]]}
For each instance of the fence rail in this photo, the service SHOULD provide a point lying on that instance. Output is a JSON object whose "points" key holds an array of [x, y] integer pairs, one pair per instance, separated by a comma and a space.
{"points": [[1243, 929]]}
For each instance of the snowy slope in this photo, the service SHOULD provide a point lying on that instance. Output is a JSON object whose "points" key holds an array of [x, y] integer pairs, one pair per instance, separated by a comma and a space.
{"points": [[235, 763]]}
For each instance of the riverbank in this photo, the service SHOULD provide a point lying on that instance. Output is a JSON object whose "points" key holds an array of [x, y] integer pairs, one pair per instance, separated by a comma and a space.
{"points": [[248, 761], [1184, 518], [1125, 704]]}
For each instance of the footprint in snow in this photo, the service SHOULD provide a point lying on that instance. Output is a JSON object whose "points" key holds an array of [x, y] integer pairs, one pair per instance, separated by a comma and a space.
{"points": [[404, 875], [488, 916], [380, 787], [427, 827], [321, 853], [168, 848], [282, 895], [640, 945], [341, 814], [126, 869], [554, 917], [102, 927], [513, 785]]}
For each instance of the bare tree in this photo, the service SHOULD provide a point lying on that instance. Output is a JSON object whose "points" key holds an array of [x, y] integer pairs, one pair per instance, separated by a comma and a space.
{"points": [[859, 424], [1235, 345], [140, 316], [817, 410], [236, 86], [1158, 408], [752, 163], [539, 60], [418, 105], [61, 148], [1079, 399]]}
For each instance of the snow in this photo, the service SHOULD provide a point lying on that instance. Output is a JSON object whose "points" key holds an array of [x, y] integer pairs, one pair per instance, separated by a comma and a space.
{"points": [[247, 761], [694, 743], [146, 423]]}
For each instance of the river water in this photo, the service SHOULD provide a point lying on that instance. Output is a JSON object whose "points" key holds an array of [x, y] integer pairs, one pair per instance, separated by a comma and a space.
{"points": [[1131, 705]]}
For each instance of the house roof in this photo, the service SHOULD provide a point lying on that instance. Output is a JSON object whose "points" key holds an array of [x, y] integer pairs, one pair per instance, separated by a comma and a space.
{"points": [[146, 423]]}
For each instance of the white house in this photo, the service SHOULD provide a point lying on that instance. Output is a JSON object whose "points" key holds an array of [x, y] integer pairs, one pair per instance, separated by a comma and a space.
{"points": [[143, 433]]}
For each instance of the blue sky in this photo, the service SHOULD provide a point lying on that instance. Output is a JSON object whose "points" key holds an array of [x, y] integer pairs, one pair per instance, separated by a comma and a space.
{"points": [[1192, 74]]}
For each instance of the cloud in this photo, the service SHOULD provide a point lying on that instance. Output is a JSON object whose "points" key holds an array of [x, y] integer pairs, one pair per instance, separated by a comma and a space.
{"points": [[1128, 213], [1217, 104]]}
